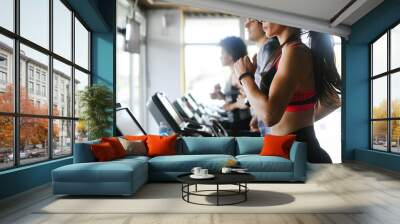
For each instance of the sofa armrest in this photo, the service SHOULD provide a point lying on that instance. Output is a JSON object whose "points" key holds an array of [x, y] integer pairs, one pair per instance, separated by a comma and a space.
{"points": [[298, 155], [83, 152]]}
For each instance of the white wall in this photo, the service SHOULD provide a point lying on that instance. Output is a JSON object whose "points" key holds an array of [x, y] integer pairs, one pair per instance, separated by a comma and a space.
{"points": [[131, 68], [163, 56]]}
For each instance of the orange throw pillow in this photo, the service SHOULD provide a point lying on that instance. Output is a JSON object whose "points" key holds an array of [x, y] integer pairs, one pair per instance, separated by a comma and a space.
{"points": [[135, 137], [103, 152], [277, 145], [161, 145], [116, 145]]}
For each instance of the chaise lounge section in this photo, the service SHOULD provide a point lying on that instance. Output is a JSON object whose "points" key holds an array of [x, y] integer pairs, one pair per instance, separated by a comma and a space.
{"points": [[125, 176]]}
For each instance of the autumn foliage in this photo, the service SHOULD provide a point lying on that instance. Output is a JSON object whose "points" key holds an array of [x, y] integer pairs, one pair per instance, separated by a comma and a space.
{"points": [[33, 131], [380, 127]]}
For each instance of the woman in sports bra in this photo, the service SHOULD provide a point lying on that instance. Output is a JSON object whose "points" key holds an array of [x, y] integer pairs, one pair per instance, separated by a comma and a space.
{"points": [[300, 85]]}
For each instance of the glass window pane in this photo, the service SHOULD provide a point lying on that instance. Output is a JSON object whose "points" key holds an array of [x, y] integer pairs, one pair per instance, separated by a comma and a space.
{"points": [[379, 98], [337, 47], [202, 77], [62, 29], [124, 73], [81, 131], [34, 79], [379, 135], [62, 138], [395, 136], [7, 14], [81, 81], [33, 139], [210, 30], [6, 74], [62, 89], [395, 47], [81, 45], [35, 21], [6, 142], [379, 55], [395, 94]]}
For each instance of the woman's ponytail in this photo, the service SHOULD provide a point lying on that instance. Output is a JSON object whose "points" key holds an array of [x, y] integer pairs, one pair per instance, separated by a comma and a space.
{"points": [[327, 78]]}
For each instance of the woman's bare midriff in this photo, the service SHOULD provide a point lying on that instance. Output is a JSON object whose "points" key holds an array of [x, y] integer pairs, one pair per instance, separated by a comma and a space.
{"points": [[293, 121]]}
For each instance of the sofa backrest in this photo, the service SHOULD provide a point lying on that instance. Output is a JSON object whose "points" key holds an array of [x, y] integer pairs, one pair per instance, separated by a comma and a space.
{"points": [[190, 146], [83, 152], [249, 145], [206, 145]]}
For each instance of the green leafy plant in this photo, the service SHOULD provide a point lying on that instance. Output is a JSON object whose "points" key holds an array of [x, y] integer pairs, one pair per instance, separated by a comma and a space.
{"points": [[97, 105]]}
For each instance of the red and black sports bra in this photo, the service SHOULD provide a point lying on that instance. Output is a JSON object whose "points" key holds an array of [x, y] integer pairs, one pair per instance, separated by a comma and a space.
{"points": [[302, 100]]}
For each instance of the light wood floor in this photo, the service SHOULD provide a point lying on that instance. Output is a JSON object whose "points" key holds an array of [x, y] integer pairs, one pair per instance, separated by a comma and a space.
{"points": [[378, 188]]}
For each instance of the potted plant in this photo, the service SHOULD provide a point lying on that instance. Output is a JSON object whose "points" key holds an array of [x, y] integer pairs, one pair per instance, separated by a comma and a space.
{"points": [[96, 104]]}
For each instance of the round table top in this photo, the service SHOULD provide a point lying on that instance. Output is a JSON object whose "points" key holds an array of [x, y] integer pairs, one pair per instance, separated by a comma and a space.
{"points": [[220, 178]]}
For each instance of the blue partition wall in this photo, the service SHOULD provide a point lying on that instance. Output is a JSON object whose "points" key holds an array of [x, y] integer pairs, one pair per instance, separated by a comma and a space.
{"points": [[356, 127], [100, 16]]}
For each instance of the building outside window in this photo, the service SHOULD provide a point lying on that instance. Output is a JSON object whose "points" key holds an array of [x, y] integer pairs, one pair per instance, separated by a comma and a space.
{"points": [[38, 89], [30, 72], [385, 96], [3, 61], [3, 78], [44, 91], [30, 87], [37, 74], [3, 72], [55, 134]]}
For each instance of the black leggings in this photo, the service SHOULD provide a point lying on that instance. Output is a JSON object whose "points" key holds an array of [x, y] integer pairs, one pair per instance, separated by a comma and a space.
{"points": [[315, 153]]}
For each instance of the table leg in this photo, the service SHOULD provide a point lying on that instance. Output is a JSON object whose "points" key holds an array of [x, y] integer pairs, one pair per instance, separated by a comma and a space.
{"points": [[182, 189], [245, 193], [196, 187], [217, 194], [188, 190]]}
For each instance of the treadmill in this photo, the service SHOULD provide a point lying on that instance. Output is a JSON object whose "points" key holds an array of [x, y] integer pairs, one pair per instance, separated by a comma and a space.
{"points": [[205, 113], [186, 111], [163, 111], [127, 123]]}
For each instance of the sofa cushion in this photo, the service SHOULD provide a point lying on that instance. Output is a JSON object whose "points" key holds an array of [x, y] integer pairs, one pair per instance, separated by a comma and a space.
{"points": [[103, 152], [257, 163], [112, 171], [185, 163], [116, 145], [133, 158], [135, 147], [135, 137], [161, 145], [207, 145], [277, 145], [249, 145]]}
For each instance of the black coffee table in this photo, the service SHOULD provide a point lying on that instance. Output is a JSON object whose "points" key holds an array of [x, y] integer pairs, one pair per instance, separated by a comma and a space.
{"points": [[238, 179]]}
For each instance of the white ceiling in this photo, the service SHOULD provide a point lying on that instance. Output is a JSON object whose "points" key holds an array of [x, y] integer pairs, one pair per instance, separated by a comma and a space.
{"points": [[321, 9], [317, 15]]}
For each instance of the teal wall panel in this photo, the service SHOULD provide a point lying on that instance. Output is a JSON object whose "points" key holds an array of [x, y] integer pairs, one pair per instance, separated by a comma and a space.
{"points": [[376, 158], [24, 178], [356, 94]]}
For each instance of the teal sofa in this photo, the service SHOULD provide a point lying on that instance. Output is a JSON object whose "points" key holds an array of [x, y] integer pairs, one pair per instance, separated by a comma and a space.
{"points": [[125, 176]]}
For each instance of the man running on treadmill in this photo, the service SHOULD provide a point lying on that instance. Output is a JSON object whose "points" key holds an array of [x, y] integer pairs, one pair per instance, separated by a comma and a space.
{"points": [[266, 47]]}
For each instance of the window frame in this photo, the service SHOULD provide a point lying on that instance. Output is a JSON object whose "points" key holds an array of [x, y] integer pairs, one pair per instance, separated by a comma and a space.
{"points": [[16, 115], [388, 74]]}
